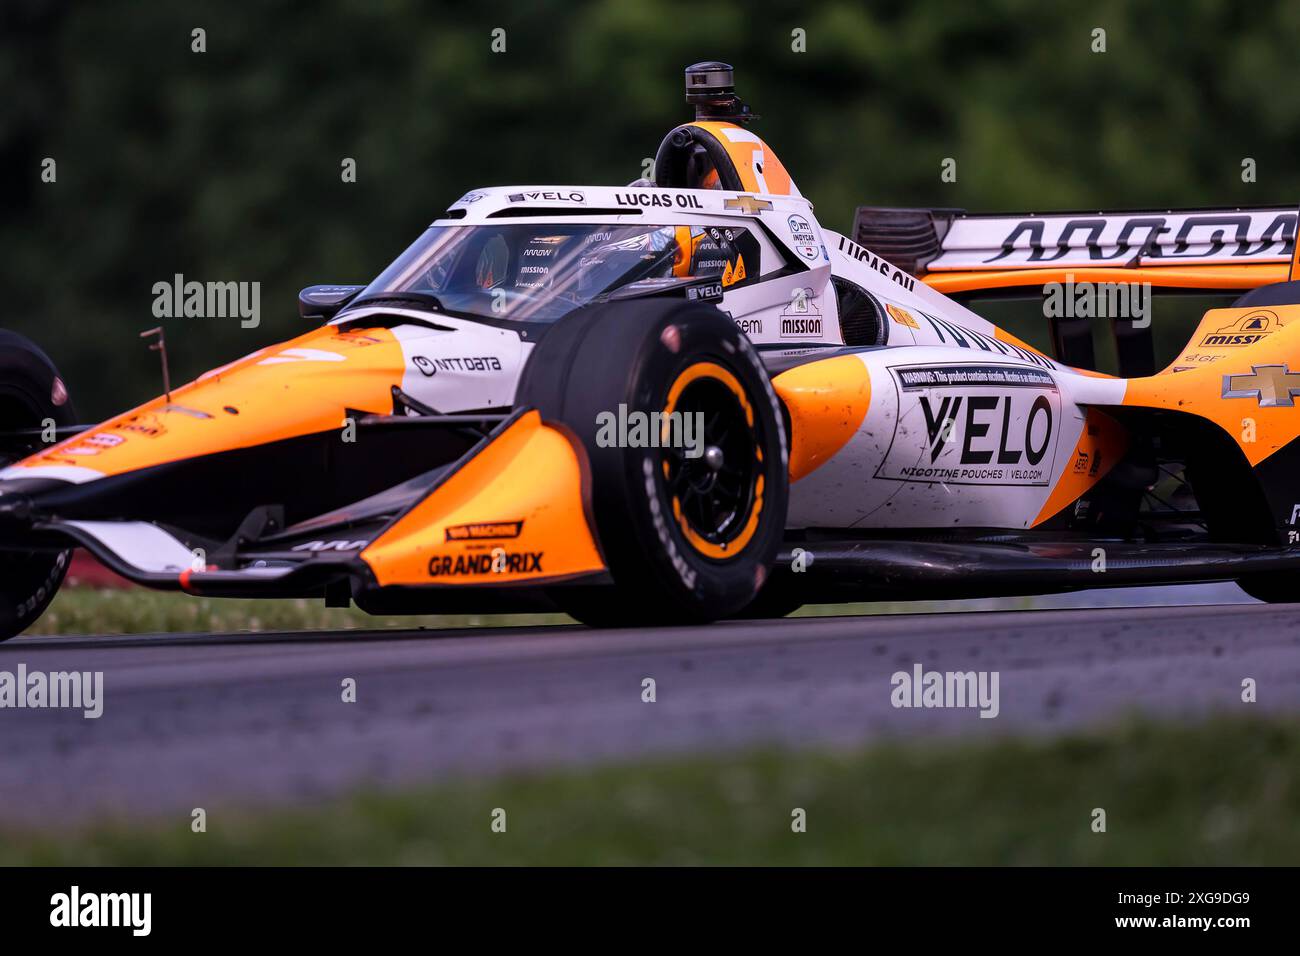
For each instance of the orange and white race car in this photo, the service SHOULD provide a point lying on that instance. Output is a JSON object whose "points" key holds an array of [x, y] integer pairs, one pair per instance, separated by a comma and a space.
{"points": [[685, 399]]}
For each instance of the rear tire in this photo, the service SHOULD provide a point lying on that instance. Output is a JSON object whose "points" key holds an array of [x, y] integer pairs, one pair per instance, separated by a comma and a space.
{"points": [[686, 538], [31, 393]]}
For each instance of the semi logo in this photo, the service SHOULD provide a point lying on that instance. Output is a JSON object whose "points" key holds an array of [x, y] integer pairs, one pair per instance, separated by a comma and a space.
{"points": [[973, 425]]}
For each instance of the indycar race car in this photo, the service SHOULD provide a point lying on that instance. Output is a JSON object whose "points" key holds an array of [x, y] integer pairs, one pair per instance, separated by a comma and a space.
{"points": [[685, 400]]}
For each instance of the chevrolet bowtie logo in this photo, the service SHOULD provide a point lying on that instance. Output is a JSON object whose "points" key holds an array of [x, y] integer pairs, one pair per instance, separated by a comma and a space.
{"points": [[746, 204], [1274, 385]]}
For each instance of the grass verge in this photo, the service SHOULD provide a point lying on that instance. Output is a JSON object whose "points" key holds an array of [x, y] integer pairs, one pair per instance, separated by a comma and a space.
{"points": [[1222, 792]]}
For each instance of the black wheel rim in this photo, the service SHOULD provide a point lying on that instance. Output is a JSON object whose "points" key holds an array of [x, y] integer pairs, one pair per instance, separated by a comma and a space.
{"points": [[714, 493]]}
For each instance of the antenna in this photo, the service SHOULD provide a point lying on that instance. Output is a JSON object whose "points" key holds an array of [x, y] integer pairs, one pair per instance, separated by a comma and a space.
{"points": [[161, 348]]}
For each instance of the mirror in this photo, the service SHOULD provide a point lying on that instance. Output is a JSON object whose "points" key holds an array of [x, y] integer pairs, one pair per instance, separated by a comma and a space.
{"points": [[320, 303]]}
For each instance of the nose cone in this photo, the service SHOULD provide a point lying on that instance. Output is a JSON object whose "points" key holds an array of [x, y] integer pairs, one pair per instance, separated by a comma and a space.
{"points": [[306, 386]]}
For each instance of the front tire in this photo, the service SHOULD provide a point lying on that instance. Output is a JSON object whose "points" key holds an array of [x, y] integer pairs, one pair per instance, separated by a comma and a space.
{"points": [[688, 532], [776, 600], [31, 394]]}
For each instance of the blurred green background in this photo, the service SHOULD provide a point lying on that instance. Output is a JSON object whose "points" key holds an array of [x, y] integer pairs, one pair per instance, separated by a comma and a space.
{"points": [[225, 165]]}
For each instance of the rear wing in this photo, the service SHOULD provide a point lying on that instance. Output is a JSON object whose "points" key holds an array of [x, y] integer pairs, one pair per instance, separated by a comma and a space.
{"points": [[1017, 253]]}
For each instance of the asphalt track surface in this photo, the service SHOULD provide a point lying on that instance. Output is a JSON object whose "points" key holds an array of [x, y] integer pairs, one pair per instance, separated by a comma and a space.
{"points": [[244, 719]]}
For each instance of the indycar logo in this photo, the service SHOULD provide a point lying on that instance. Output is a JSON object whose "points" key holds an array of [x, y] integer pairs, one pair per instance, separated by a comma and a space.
{"points": [[800, 230], [1247, 331], [499, 562], [1275, 386], [978, 425], [804, 238]]}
